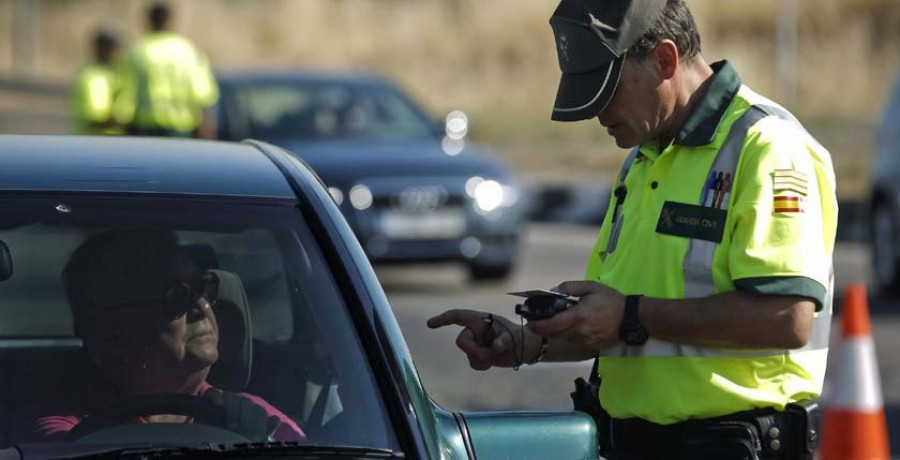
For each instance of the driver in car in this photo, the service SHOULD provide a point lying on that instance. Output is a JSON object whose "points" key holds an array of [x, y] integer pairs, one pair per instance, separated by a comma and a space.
{"points": [[146, 315]]}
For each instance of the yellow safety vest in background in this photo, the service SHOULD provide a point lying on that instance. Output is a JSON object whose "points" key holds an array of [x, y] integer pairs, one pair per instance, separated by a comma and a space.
{"points": [[166, 83], [771, 232], [92, 100]]}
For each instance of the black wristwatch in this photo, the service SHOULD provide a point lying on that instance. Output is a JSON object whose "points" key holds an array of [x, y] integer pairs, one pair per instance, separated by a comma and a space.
{"points": [[631, 331]]}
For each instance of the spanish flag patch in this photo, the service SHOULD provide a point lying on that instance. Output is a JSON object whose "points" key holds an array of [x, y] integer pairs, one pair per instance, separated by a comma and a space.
{"points": [[789, 180], [787, 203]]}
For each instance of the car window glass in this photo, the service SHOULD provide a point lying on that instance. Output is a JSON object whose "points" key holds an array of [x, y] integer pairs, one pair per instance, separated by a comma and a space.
{"points": [[33, 288], [285, 336], [322, 111]]}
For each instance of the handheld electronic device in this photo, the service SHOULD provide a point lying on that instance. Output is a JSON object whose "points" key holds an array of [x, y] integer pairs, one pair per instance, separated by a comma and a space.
{"points": [[542, 304]]}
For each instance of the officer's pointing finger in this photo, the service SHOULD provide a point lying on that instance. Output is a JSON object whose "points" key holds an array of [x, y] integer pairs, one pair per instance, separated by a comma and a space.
{"points": [[465, 318]]}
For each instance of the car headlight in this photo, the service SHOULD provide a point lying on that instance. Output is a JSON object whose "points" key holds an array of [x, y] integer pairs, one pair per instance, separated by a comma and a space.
{"points": [[361, 197], [490, 194], [337, 195]]}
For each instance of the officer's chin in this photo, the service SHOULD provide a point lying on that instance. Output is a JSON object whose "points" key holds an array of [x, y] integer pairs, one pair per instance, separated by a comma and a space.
{"points": [[625, 143]]}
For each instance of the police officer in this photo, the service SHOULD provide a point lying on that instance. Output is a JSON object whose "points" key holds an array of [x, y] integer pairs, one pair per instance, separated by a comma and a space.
{"points": [[167, 87], [707, 297], [95, 87]]}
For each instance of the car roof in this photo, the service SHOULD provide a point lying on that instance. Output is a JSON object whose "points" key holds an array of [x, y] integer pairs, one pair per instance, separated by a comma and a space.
{"points": [[132, 164], [301, 76]]}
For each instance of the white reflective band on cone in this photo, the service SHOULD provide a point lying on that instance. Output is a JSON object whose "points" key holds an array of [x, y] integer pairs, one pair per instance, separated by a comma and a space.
{"points": [[858, 387]]}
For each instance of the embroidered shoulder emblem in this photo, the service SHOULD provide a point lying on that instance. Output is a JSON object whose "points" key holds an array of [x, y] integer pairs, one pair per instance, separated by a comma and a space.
{"points": [[789, 190], [789, 180]]}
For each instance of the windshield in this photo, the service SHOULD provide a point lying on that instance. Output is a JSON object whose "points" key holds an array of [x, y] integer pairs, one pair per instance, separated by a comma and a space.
{"points": [[320, 111], [145, 321]]}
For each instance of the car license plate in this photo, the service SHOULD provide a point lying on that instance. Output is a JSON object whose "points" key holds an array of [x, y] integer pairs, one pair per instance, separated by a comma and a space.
{"points": [[441, 223]]}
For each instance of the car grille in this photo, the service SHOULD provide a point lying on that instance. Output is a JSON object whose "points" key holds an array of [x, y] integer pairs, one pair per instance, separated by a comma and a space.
{"points": [[419, 200]]}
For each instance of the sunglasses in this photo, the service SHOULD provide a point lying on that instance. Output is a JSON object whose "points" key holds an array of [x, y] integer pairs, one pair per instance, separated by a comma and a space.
{"points": [[180, 297]]}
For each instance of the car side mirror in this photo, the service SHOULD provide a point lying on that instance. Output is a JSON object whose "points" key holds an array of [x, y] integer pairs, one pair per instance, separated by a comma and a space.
{"points": [[6, 263], [532, 434]]}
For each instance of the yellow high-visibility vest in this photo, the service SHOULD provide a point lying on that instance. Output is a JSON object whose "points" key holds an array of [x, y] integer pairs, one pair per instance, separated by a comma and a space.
{"points": [[92, 100], [769, 231], [165, 83]]}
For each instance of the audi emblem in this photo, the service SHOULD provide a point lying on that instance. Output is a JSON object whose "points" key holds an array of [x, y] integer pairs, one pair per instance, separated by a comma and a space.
{"points": [[419, 200]]}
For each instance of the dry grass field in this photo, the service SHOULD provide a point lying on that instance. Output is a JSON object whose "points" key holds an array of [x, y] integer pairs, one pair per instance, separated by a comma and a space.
{"points": [[495, 60]]}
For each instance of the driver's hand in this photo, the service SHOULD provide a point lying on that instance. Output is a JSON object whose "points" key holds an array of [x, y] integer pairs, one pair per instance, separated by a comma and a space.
{"points": [[489, 340], [243, 415]]}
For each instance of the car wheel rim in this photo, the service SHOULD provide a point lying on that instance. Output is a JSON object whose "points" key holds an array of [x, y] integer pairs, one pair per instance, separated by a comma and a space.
{"points": [[883, 247]]}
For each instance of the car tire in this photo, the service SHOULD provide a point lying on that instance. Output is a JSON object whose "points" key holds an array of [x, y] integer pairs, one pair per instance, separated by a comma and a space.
{"points": [[499, 272], [885, 267]]}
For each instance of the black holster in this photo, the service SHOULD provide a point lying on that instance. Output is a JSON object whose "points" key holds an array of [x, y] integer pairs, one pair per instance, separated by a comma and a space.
{"points": [[585, 399], [762, 433]]}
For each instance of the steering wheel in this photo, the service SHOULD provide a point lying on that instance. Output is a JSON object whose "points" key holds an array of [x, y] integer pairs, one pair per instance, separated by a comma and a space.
{"points": [[203, 411]]}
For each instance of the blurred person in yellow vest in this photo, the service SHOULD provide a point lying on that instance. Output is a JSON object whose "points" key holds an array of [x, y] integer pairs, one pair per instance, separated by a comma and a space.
{"points": [[95, 87], [167, 87]]}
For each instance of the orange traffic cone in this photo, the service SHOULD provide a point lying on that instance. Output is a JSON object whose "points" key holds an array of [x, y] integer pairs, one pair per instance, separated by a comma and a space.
{"points": [[855, 426]]}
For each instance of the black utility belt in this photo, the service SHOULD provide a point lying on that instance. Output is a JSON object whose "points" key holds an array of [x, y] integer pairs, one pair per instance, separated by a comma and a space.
{"points": [[761, 433]]}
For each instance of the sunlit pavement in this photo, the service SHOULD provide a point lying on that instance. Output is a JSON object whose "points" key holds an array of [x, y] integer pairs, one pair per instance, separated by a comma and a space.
{"points": [[553, 253]]}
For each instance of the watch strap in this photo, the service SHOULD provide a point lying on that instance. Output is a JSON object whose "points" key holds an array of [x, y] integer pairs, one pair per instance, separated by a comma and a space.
{"points": [[631, 331]]}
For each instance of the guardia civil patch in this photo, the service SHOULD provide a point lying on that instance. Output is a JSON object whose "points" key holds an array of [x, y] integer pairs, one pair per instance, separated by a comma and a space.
{"points": [[789, 180], [692, 221]]}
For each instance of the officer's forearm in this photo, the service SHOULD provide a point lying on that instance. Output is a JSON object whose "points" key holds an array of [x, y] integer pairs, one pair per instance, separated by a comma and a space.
{"points": [[731, 320]]}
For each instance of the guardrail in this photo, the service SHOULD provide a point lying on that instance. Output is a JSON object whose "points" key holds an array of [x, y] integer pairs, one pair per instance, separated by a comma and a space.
{"points": [[31, 86]]}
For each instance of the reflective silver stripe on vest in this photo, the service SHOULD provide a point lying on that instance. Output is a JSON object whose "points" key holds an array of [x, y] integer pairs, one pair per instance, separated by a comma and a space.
{"points": [[627, 165], [697, 264], [613, 239]]}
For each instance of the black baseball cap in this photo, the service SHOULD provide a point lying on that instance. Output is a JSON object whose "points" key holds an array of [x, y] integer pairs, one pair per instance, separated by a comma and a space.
{"points": [[592, 37]]}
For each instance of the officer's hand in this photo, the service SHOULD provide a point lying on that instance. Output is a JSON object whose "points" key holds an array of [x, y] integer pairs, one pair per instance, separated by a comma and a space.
{"points": [[488, 340], [593, 322]]}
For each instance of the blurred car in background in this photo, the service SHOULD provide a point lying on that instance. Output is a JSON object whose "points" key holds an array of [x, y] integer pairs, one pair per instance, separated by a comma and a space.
{"points": [[411, 188], [884, 199], [302, 321]]}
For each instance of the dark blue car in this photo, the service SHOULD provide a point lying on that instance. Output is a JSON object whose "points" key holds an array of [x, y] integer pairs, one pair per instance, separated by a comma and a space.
{"points": [[175, 298], [412, 190]]}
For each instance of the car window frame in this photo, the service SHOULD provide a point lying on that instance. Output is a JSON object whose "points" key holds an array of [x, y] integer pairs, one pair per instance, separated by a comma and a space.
{"points": [[341, 250]]}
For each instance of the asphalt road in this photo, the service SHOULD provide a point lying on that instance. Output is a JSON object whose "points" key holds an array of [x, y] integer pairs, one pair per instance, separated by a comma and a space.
{"points": [[553, 253]]}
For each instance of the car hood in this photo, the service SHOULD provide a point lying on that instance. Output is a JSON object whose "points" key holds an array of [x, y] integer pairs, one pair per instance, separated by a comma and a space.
{"points": [[344, 163]]}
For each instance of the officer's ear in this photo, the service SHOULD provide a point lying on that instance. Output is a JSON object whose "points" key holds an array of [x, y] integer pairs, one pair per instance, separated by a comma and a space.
{"points": [[667, 61]]}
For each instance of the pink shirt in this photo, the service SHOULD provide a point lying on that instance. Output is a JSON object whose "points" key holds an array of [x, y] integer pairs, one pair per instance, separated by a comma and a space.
{"points": [[56, 426]]}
